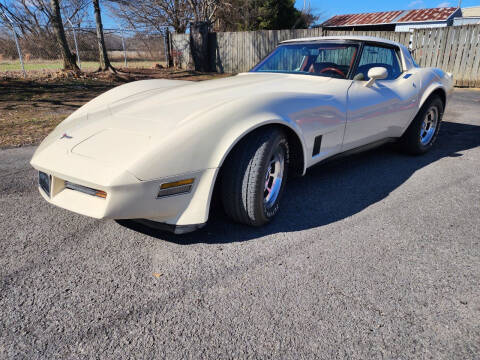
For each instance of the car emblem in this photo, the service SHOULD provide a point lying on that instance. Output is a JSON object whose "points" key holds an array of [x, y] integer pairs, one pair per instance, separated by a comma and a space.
{"points": [[65, 136]]}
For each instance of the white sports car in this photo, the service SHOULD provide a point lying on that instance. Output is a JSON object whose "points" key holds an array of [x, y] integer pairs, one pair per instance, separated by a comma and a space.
{"points": [[155, 150]]}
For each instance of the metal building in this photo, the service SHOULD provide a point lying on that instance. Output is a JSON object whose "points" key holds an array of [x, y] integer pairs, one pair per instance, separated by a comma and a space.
{"points": [[470, 15], [399, 20]]}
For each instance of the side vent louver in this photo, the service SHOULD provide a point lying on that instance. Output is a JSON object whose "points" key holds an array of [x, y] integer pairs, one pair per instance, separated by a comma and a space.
{"points": [[317, 145]]}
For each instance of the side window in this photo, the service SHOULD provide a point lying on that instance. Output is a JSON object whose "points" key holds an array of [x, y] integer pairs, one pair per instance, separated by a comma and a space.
{"points": [[374, 56], [342, 56]]}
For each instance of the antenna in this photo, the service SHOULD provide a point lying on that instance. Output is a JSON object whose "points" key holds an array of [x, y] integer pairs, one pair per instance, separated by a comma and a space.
{"points": [[459, 4]]}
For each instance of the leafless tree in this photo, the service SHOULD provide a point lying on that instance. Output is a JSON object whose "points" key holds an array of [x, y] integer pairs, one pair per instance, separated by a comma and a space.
{"points": [[158, 14], [69, 62], [205, 10], [153, 14], [35, 22], [102, 49], [36, 16]]}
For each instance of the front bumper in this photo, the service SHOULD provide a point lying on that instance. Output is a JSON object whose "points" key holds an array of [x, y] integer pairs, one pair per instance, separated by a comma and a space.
{"points": [[130, 198]]}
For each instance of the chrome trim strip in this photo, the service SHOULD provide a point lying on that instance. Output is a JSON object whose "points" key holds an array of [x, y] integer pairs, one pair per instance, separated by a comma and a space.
{"points": [[82, 189], [179, 190]]}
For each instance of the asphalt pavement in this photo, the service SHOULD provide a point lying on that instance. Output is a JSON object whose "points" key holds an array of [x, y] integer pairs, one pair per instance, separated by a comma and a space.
{"points": [[376, 256]]}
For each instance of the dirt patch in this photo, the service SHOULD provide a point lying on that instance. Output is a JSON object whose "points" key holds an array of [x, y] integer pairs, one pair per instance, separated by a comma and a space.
{"points": [[30, 109]]}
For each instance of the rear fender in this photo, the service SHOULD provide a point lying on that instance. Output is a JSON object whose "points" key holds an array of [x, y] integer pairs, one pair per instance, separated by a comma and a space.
{"points": [[432, 81], [429, 91]]}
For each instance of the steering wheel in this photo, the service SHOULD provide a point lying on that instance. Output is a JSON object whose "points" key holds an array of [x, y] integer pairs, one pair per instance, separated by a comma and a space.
{"points": [[338, 71]]}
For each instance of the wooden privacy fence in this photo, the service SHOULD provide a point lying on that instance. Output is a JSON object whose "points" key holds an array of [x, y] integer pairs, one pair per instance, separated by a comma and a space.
{"points": [[453, 49], [234, 52]]}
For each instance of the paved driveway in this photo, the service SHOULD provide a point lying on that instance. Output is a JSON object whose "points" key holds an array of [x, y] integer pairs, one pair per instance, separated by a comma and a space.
{"points": [[374, 256]]}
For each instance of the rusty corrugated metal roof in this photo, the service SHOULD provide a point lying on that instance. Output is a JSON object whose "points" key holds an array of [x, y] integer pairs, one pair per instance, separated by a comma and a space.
{"points": [[384, 17], [391, 17], [437, 14]]}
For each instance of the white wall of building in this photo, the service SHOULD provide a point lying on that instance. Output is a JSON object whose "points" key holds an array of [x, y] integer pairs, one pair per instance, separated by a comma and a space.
{"points": [[408, 27]]}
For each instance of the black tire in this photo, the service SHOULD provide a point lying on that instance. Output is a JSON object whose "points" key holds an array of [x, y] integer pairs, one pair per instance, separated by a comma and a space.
{"points": [[411, 142], [244, 177]]}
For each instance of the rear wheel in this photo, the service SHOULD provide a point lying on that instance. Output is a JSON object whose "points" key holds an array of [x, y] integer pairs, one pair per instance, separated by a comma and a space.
{"points": [[254, 177], [423, 131]]}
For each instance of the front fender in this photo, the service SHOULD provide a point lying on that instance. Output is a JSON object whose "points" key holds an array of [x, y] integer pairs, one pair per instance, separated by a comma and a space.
{"points": [[204, 142], [198, 210], [233, 137]]}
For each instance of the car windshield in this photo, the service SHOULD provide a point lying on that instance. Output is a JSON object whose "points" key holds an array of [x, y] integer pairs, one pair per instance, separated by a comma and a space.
{"points": [[321, 59]]}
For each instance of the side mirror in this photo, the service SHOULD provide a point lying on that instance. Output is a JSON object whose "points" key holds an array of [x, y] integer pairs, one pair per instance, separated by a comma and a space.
{"points": [[376, 73]]}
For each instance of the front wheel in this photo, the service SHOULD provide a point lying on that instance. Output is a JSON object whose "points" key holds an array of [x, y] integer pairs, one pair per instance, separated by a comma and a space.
{"points": [[423, 131], [254, 177]]}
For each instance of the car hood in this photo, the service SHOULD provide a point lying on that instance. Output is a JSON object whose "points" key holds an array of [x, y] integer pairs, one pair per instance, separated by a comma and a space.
{"points": [[191, 100], [117, 128], [168, 107]]}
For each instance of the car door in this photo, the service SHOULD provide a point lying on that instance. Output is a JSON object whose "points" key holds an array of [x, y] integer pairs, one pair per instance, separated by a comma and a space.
{"points": [[378, 112]]}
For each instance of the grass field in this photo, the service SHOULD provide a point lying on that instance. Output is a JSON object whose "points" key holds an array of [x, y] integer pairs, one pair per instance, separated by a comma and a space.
{"points": [[53, 65]]}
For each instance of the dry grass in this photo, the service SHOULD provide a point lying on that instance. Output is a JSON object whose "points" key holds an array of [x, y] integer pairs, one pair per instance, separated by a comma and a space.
{"points": [[30, 109], [17, 131], [56, 65]]}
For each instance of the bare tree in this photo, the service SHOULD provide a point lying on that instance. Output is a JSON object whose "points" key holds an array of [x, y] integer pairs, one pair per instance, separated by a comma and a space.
{"points": [[158, 14], [34, 20], [36, 16], [69, 62], [153, 14], [205, 10], [102, 49]]}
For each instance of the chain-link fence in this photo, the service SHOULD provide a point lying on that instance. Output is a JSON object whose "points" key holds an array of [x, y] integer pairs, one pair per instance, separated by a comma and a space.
{"points": [[40, 53]]}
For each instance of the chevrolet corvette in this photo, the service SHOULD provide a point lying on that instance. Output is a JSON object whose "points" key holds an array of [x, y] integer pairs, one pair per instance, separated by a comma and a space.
{"points": [[155, 150]]}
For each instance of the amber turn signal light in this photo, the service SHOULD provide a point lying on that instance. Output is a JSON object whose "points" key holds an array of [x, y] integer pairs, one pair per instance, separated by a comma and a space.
{"points": [[176, 183], [176, 188], [101, 194]]}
